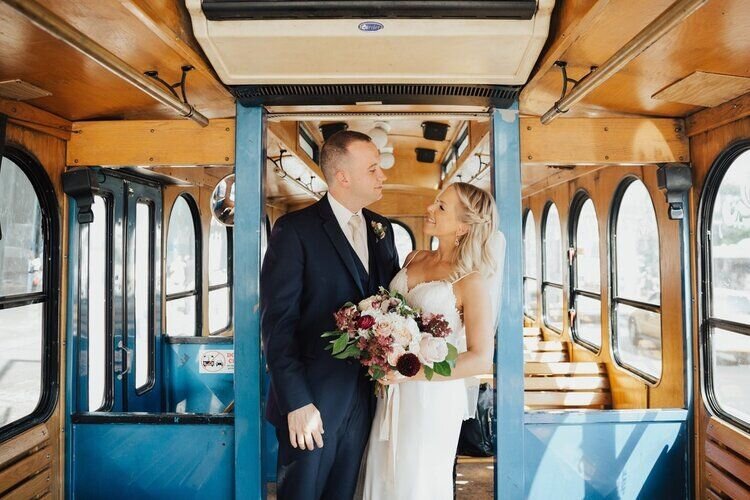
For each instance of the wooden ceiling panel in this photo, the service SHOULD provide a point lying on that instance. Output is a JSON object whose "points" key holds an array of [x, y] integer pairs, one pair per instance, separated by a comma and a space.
{"points": [[84, 90], [713, 39]]}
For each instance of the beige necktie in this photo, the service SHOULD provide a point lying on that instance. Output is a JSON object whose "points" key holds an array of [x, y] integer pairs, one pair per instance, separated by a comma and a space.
{"points": [[358, 239]]}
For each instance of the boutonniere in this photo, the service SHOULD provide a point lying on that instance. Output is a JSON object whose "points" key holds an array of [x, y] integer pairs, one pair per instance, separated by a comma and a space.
{"points": [[379, 229]]}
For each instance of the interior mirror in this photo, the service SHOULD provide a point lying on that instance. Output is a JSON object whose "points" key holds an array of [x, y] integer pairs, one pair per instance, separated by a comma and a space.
{"points": [[222, 201]]}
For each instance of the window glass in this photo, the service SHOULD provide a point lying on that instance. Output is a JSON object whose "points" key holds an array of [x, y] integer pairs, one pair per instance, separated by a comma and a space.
{"points": [[730, 245], [587, 249], [143, 295], [588, 320], [181, 248], [553, 307], [553, 255], [20, 361], [434, 243], [97, 304], [639, 339], [730, 371], [637, 246], [181, 320], [404, 242], [219, 307], [529, 245], [218, 254], [21, 245]]}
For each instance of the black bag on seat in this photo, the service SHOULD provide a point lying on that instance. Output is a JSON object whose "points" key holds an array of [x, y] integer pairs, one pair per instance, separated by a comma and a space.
{"points": [[477, 438]]}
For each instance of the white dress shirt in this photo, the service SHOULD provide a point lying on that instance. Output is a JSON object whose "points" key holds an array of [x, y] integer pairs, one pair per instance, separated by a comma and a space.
{"points": [[343, 215]]}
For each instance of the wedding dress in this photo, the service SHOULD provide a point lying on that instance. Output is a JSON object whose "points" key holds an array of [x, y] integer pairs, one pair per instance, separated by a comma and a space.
{"points": [[412, 446]]}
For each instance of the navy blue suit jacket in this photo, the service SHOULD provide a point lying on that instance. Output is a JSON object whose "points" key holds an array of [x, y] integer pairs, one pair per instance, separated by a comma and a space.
{"points": [[308, 273]]}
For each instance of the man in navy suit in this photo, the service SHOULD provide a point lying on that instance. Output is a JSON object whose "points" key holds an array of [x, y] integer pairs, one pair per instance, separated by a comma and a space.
{"points": [[319, 258]]}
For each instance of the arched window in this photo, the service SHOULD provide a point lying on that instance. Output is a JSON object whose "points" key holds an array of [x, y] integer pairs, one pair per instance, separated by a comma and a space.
{"points": [[585, 284], [183, 269], [636, 287], [405, 243], [29, 284], [552, 259], [219, 277], [529, 265], [725, 266]]}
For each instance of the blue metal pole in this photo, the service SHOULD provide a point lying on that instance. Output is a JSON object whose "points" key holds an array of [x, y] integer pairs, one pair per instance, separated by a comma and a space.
{"points": [[250, 159], [687, 337], [506, 180]]}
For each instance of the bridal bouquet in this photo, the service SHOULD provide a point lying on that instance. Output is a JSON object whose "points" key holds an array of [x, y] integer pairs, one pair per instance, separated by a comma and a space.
{"points": [[385, 334]]}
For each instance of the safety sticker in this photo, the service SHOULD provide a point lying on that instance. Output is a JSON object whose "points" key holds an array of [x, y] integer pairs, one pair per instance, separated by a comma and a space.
{"points": [[216, 361]]}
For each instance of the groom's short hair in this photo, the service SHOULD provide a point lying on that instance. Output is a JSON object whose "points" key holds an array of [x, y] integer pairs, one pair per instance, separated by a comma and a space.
{"points": [[336, 148]]}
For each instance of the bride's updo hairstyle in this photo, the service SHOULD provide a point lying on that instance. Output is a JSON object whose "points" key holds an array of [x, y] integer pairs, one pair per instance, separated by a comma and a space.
{"points": [[479, 213]]}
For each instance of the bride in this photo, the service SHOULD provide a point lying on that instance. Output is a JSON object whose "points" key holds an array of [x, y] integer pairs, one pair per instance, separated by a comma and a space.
{"points": [[414, 435]]}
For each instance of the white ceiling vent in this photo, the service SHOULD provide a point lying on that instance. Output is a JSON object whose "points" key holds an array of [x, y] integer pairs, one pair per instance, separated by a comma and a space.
{"points": [[18, 90], [451, 46]]}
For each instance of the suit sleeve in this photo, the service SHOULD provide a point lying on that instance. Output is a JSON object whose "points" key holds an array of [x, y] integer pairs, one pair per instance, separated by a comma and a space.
{"points": [[281, 284]]}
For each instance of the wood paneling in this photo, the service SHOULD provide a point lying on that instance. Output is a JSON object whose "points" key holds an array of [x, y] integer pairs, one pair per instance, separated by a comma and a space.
{"points": [[713, 40], [140, 33], [159, 142], [628, 391], [613, 141], [28, 116], [709, 119]]}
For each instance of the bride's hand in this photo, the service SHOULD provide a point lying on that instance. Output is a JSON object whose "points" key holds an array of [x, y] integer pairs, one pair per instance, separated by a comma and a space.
{"points": [[395, 377]]}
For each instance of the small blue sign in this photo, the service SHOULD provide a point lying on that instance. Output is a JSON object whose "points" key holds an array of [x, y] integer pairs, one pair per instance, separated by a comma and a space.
{"points": [[370, 26]]}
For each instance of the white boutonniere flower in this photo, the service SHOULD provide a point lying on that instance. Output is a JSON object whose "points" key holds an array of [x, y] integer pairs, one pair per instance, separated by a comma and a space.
{"points": [[379, 229]]}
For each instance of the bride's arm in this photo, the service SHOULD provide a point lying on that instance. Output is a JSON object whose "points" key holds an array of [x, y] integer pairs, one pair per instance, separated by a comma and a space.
{"points": [[480, 334]]}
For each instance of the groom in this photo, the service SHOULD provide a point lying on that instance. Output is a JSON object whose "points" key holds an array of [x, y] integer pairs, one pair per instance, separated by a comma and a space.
{"points": [[319, 258]]}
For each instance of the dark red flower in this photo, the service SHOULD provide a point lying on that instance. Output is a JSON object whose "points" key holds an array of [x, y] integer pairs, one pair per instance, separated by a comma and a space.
{"points": [[365, 322], [408, 364]]}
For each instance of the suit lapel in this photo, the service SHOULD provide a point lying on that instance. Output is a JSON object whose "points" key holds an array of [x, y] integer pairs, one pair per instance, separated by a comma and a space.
{"points": [[375, 246], [332, 228]]}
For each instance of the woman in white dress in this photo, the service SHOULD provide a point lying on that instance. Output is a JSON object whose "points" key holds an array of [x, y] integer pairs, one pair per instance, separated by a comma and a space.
{"points": [[413, 440]]}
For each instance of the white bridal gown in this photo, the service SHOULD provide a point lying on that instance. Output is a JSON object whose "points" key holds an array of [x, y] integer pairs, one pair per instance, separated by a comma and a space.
{"points": [[414, 435]]}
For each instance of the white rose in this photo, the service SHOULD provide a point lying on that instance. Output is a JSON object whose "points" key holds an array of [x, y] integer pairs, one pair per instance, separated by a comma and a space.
{"points": [[432, 350], [366, 304], [395, 354]]}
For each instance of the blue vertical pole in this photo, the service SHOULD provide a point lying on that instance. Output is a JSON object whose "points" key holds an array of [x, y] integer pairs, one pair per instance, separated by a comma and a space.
{"points": [[250, 159], [506, 181]]}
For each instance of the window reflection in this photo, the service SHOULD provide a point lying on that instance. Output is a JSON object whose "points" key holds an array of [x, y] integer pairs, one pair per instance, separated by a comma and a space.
{"points": [[404, 241]]}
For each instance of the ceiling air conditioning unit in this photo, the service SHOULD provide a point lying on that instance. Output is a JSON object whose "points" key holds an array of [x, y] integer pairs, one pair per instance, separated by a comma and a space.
{"points": [[453, 44]]}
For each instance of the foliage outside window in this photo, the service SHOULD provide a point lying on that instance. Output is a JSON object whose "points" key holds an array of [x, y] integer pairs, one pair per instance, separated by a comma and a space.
{"points": [[28, 315], [585, 296], [183, 274], [529, 266], [552, 264], [726, 324], [219, 277], [636, 287]]}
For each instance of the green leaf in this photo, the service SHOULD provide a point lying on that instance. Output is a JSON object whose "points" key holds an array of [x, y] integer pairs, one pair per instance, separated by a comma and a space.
{"points": [[377, 373], [329, 347], [351, 351], [336, 333], [452, 353], [428, 372], [442, 368], [340, 343]]}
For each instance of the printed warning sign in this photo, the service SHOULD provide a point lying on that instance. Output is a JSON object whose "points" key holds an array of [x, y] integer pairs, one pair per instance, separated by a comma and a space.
{"points": [[216, 361]]}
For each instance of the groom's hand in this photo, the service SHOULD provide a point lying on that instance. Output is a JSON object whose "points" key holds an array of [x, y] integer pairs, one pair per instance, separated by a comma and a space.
{"points": [[305, 425]]}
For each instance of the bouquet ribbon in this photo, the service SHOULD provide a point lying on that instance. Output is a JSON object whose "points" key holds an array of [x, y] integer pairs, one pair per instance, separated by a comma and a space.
{"points": [[389, 426]]}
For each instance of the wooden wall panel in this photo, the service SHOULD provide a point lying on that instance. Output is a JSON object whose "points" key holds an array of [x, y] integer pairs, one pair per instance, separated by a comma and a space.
{"points": [[49, 150], [628, 391]]}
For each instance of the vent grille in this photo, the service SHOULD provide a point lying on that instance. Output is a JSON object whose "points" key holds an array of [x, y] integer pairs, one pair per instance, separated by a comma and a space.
{"points": [[18, 90], [483, 95]]}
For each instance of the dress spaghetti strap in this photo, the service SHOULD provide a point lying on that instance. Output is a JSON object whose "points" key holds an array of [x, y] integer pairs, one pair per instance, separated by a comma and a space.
{"points": [[406, 264], [462, 277]]}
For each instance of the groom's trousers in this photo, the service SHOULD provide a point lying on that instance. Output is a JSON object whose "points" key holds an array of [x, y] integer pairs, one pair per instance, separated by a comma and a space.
{"points": [[330, 472]]}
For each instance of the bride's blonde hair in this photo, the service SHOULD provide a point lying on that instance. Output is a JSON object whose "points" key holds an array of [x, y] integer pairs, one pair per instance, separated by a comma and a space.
{"points": [[479, 213]]}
